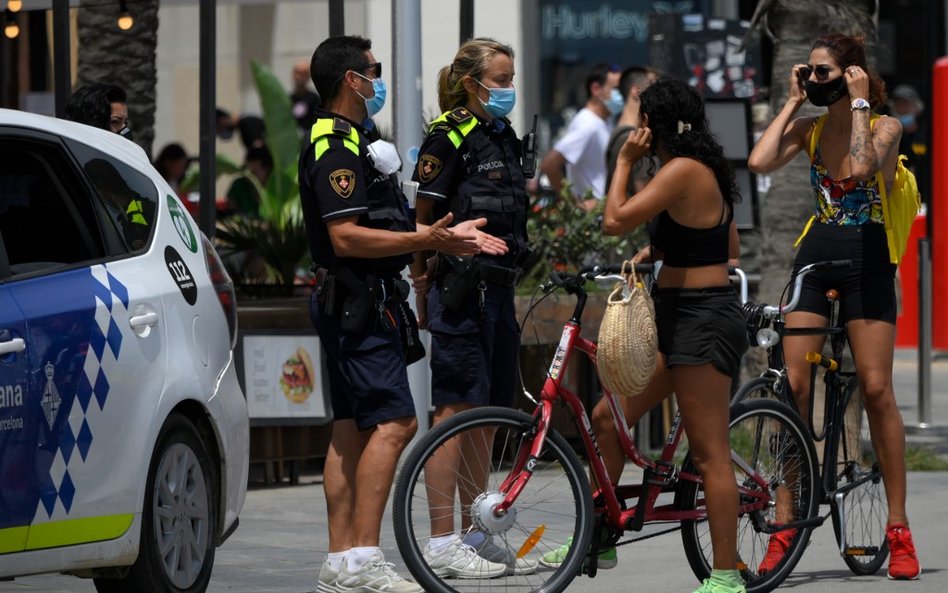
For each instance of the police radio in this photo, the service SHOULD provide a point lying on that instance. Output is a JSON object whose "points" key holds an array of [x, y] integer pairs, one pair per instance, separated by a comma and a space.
{"points": [[530, 151]]}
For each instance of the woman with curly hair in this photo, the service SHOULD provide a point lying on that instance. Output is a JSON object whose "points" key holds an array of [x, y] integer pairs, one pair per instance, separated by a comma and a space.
{"points": [[849, 146], [689, 206]]}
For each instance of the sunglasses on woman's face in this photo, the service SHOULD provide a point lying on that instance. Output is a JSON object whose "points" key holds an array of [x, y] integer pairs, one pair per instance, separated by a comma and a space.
{"points": [[822, 72]]}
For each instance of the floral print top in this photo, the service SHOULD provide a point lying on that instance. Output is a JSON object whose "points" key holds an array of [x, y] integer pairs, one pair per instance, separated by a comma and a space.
{"points": [[844, 201]]}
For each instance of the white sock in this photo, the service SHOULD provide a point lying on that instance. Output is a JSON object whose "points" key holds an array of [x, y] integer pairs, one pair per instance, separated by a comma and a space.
{"points": [[475, 538], [439, 544], [334, 559], [359, 557]]}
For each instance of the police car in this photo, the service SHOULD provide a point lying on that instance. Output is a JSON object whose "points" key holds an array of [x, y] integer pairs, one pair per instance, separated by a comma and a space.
{"points": [[123, 431]]}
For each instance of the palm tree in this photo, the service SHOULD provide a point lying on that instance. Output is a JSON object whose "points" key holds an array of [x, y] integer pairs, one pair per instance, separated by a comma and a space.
{"points": [[125, 58], [792, 25]]}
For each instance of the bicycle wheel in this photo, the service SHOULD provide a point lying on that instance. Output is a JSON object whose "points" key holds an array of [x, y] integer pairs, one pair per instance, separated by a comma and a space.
{"points": [[768, 439], [756, 388], [859, 505], [434, 494]]}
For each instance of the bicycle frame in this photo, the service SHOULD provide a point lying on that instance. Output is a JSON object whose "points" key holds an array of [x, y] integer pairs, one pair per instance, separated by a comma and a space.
{"points": [[661, 475]]}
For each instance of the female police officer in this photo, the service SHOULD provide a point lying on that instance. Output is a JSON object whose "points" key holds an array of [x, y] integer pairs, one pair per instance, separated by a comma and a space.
{"points": [[470, 165]]}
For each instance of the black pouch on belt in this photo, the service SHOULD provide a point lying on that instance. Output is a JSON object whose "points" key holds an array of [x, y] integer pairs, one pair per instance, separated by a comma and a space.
{"points": [[461, 277], [360, 307], [411, 339]]}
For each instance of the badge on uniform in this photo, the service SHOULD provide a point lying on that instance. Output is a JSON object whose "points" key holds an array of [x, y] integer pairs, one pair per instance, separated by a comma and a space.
{"points": [[343, 182], [428, 167]]}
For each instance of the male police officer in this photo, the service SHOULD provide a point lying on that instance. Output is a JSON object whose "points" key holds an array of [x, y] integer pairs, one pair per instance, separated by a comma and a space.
{"points": [[361, 237]]}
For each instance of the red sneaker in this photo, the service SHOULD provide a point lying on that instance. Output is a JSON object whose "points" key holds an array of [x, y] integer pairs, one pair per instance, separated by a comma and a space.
{"points": [[776, 548], [903, 563]]}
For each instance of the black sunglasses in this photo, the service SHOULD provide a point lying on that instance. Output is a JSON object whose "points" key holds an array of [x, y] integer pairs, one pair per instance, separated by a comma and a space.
{"points": [[376, 65], [822, 72]]}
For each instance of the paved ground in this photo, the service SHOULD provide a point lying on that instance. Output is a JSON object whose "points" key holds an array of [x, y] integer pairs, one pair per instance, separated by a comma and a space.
{"points": [[282, 537]]}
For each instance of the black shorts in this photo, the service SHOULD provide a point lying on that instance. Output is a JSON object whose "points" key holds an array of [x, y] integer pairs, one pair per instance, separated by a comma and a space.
{"points": [[701, 325], [866, 290]]}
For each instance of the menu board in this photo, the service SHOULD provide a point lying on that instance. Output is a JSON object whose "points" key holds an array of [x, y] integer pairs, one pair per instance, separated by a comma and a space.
{"points": [[283, 377]]}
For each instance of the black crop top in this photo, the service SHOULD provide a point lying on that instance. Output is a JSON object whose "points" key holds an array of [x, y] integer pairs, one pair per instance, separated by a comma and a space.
{"points": [[686, 247]]}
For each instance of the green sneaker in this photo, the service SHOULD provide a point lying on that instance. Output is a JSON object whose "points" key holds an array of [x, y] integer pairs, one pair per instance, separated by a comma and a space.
{"points": [[724, 581], [554, 558]]}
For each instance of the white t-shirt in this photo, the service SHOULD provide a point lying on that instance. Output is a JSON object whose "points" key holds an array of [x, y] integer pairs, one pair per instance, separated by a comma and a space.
{"points": [[584, 147]]}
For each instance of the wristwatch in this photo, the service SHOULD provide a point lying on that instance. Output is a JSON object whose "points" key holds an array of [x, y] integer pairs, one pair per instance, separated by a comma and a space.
{"points": [[859, 104]]}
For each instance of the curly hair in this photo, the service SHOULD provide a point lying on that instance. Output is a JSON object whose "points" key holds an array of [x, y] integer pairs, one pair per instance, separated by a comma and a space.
{"points": [[669, 102], [471, 60], [92, 104], [850, 50]]}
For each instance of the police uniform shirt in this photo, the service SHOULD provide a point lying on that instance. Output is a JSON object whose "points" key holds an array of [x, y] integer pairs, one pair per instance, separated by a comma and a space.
{"points": [[334, 186], [442, 168]]}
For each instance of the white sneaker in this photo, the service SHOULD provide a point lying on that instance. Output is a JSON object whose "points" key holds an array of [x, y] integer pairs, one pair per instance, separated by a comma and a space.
{"points": [[376, 576], [326, 582], [489, 550], [460, 561]]}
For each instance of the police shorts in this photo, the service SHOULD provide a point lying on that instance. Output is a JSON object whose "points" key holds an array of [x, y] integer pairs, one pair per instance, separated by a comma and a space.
{"points": [[866, 290], [474, 357], [368, 380], [701, 325]]}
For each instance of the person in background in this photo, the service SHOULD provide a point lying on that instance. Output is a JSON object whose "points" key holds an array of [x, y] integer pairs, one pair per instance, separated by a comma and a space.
{"points": [[361, 237], [689, 206], [848, 223], [303, 101], [172, 163], [100, 105], [908, 108], [632, 82], [579, 155], [250, 128], [469, 166], [243, 198]]}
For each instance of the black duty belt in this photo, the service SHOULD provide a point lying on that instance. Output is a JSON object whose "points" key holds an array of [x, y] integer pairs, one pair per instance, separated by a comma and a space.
{"points": [[498, 274]]}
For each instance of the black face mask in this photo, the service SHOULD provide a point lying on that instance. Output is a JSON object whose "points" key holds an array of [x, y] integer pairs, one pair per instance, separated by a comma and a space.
{"points": [[823, 94]]}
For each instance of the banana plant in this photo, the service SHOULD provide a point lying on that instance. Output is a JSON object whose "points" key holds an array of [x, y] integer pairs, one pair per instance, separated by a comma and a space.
{"points": [[278, 236]]}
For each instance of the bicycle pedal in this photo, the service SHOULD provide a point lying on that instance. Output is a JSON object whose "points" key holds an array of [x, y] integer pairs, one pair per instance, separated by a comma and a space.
{"points": [[864, 551]]}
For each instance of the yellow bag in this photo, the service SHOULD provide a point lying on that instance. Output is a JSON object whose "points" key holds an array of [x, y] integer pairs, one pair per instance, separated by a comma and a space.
{"points": [[900, 205], [628, 339]]}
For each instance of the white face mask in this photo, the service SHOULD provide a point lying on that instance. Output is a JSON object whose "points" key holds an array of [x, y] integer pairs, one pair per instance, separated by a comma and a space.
{"points": [[384, 157]]}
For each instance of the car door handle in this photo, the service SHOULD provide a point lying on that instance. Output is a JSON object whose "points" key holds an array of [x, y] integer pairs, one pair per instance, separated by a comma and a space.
{"points": [[149, 319], [14, 345]]}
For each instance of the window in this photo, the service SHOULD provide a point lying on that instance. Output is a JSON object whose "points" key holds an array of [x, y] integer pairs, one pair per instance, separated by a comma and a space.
{"points": [[126, 197], [46, 218]]}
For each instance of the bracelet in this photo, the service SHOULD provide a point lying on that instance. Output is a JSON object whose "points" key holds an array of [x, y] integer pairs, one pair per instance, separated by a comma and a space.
{"points": [[859, 105]]}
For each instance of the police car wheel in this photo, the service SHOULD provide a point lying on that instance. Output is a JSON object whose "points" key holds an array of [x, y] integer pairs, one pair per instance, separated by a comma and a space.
{"points": [[179, 522]]}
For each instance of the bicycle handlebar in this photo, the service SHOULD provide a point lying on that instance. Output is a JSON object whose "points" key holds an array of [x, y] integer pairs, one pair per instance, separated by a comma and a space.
{"points": [[771, 312]]}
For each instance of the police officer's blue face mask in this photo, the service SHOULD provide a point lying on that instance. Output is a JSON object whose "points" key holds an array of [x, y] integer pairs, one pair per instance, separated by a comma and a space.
{"points": [[500, 101], [907, 119], [615, 102], [375, 103]]}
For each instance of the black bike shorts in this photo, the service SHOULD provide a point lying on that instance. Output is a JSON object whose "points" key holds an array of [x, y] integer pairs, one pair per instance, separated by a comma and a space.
{"points": [[701, 325], [866, 290]]}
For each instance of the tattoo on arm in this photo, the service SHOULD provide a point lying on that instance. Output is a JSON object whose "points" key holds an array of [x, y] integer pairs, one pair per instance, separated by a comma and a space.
{"points": [[860, 144]]}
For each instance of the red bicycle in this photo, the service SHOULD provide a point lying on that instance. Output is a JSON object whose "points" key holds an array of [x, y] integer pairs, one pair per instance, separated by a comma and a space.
{"points": [[517, 480]]}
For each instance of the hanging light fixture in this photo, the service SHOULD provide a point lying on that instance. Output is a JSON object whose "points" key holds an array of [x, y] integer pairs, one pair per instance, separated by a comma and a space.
{"points": [[12, 29], [14, 5], [125, 19]]}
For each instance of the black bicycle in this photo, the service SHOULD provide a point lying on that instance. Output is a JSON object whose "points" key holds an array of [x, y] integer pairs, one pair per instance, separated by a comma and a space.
{"points": [[851, 481]]}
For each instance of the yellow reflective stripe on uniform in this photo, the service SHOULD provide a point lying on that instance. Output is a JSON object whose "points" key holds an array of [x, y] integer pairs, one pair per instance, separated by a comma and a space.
{"points": [[77, 531], [12, 539], [323, 128], [458, 132], [135, 213]]}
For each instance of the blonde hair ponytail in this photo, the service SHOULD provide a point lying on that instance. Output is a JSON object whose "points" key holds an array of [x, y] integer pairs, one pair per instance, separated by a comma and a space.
{"points": [[471, 60]]}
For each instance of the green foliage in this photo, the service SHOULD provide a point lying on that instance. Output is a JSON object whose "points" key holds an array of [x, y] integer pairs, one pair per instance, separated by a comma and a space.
{"points": [[278, 236], [924, 459], [566, 236]]}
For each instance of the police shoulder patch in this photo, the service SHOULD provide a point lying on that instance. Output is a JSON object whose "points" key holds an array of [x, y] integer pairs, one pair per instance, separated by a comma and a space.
{"points": [[342, 182], [428, 167]]}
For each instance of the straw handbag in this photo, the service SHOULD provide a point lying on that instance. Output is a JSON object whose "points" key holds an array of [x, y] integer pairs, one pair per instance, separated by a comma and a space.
{"points": [[628, 340]]}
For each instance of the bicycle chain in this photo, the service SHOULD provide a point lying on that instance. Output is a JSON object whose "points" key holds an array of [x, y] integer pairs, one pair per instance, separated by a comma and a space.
{"points": [[649, 536]]}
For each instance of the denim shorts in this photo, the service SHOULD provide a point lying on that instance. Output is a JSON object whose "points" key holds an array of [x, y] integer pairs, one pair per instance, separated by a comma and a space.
{"points": [[700, 325], [866, 290]]}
